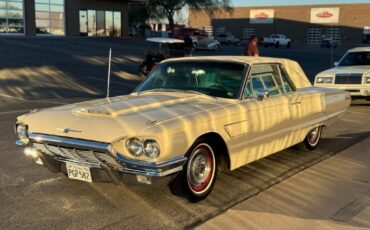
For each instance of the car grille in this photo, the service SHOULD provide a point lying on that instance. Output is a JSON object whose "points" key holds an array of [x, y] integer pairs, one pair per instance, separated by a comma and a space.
{"points": [[348, 78], [83, 156]]}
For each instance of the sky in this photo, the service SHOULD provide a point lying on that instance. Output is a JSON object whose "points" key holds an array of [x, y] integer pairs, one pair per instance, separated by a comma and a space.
{"points": [[291, 2]]}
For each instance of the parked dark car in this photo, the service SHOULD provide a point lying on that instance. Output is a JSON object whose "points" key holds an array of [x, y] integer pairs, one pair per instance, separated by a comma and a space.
{"points": [[328, 43]]}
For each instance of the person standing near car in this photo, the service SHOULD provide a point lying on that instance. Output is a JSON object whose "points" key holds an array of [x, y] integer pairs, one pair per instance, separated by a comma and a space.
{"points": [[251, 48], [188, 46]]}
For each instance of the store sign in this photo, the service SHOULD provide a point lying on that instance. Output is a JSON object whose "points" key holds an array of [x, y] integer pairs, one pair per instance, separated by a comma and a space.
{"points": [[325, 15], [262, 16]]}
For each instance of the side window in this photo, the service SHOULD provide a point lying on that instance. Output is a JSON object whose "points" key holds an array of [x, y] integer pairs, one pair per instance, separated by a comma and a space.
{"points": [[264, 77], [287, 83]]}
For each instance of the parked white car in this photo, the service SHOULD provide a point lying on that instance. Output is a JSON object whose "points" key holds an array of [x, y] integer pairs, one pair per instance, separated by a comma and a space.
{"points": [[277, 40], [351, 73]]}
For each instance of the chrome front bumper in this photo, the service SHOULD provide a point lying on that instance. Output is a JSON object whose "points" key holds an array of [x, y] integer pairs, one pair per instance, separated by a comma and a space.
{"points": [[54, 152]]}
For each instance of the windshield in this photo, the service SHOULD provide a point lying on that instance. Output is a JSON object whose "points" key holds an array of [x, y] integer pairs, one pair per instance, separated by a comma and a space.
{"points": [[217, 79], [356, 58]]}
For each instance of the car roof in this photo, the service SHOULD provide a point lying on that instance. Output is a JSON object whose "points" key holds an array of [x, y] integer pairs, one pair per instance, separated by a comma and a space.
{"points": [[164, 40], [360, 49], [242, 59]]}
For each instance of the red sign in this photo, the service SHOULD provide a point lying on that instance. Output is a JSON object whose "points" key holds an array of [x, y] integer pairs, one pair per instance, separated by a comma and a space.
{"points": [[324, 14], [261, 15]]}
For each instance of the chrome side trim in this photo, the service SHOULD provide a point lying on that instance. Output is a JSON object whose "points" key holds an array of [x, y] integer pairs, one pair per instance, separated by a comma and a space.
{"points": [[68, 142]]}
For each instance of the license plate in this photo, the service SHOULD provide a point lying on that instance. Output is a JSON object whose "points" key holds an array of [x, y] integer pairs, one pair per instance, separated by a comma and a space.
{"points": [[78, 172]]}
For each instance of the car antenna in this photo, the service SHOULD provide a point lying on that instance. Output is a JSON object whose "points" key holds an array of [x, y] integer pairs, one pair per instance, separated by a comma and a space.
{"points": [[109, 70]]}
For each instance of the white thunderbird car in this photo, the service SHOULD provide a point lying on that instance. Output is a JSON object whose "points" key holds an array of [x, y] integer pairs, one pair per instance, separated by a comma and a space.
{"points": [[189, 118], [351, 73]]}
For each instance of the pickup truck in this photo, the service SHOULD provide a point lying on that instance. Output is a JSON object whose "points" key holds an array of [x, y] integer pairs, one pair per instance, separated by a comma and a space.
{"points": [[276, 40], [228, 39]]}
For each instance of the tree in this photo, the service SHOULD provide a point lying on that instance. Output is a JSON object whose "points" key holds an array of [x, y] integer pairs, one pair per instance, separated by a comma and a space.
{"points": [[168, 8], [138, 15]]}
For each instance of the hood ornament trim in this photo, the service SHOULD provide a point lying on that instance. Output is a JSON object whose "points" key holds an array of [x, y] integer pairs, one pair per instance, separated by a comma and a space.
{"points": [[67, 130]]}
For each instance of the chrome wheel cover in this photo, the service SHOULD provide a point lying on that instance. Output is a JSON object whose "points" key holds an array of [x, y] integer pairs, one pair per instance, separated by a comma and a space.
{"points": [[201, 169], [313, 136]]}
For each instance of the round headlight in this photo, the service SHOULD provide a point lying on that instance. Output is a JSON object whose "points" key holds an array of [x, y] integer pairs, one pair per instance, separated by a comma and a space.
{"points": [[134, 146], [21, 131], [151, 148]]}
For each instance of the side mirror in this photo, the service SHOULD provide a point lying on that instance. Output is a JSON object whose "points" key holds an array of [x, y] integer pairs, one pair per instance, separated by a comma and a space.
{"points": [[262, 94], [336, 64]]}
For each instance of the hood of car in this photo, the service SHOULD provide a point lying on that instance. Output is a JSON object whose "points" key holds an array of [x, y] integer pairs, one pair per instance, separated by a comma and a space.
{"points": [[346, 70], [111, 119]]}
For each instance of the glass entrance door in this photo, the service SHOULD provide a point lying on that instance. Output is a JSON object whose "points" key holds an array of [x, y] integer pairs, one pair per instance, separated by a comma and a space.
{"points": [[83, 22], [91, 23], [100, 23]]}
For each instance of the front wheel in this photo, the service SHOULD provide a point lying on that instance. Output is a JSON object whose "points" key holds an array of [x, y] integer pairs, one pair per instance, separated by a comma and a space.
{"points": [[312, 139], [198, 177]]}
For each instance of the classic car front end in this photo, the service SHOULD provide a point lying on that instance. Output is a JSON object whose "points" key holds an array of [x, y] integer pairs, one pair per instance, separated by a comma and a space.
{"points": [[94, 161], [351, 73], [189, 118]]}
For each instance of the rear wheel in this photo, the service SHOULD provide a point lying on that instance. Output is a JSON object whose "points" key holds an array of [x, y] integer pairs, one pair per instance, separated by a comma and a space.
{"points": [[198, 177], [288, 45], [277, 44], [312, 139]]}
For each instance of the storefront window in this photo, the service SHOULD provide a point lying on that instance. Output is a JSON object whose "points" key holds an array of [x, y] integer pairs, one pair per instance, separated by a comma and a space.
{"points": [[11, 17], [100, 23], [49, 17]]}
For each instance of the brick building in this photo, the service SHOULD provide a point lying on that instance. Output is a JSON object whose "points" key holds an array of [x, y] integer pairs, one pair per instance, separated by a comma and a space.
{"points": [[347, 23]]}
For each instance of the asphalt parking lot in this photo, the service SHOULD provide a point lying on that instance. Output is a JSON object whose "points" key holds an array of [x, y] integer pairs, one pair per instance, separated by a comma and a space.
{"points": [[41, 68], [43, 72]]}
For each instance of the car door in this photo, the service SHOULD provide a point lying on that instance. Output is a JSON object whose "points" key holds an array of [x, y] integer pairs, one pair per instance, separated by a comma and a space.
{"points": [[269, 121], [307, 107]]}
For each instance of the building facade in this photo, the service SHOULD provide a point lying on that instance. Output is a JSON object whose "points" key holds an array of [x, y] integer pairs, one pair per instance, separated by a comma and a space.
{"points": [[346, 23], [64, 17]]}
